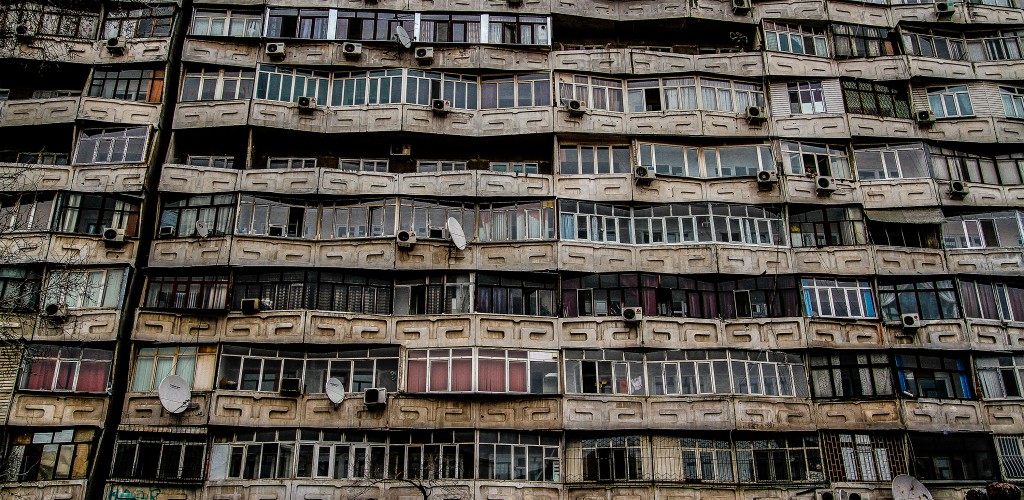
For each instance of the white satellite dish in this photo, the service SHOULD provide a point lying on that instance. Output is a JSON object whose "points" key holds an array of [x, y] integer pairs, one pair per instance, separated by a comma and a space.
{"points": [[201, 229], [905, 487], [457, 234], [335, 390], [174, 393], [402, 37]]}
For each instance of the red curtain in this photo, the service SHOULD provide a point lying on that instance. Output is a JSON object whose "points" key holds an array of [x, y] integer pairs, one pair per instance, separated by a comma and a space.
{"points": [[40, 374], [492, 375], [416, 376], [439, 375], [462, 374], [517, 376], [92, 376]]}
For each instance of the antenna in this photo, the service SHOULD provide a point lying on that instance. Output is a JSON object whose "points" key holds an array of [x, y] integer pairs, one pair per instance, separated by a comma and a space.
{"points": [[905, 487], [175, 396], [335, 390], [402, 37], [456, 233], [201, 229]]}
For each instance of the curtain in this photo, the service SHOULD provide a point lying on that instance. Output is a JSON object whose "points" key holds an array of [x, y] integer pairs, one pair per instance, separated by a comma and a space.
{"points": [[40, 375], [92, 376], [462, 375], [439, 375], [416, 376], [517, 376], [491, 377]]}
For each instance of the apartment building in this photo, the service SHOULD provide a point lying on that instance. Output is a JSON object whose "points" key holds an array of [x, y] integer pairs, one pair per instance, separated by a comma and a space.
{"points": [[512, 249]]}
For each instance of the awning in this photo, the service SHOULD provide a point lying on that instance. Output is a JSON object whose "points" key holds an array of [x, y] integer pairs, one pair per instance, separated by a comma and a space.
{"points": [[907, 215]]}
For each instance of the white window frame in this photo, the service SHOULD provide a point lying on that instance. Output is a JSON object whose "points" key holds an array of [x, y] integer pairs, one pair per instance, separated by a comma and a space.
{"points": [[364, 165], [818, 291], [516, 167], [147, 380], [106, 139], [953, 101], [87, 289], [293, 162], [440, 166], [782, 37], [252, 22], [810, 98], [1013, 101]]}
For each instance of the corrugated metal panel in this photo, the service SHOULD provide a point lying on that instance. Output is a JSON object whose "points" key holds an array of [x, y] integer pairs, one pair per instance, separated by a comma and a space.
{"points": [[162, 429], [985, 99], [8, 379], [779, 98], [833, 96], [919, 98], [907, 216]]}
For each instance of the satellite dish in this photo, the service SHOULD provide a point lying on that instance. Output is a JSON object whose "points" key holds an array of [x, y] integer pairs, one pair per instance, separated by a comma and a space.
{"points": [[174, 393], [335, 390], [402, 37], [201, 229], [457, 234], [906, 487]]}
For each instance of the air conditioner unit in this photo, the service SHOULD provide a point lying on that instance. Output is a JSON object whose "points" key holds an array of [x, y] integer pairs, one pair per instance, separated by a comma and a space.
{"points": [[437, 233], [251, 306], [405, 239], [306, 103], [375, 396], [947, 8], [23, 33], [425, 55], [643, 175], [115, 46], [352, 50], [958, 190], [910, 321], [440, 106], [576, 107], [274, 50], [401, 149], [167, 231], [632, 314], [925, 117], [756, 115], [825, 185], [740, 7], [113, 235], [291, 386], [766, 179], [55, 311]]}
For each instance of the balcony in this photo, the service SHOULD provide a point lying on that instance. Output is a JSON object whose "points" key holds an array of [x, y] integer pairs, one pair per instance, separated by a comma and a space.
{"points": [[820, 126], [82, 325], [110, 178], [764, 333], [933, 334], [118, 111], [72, 249], [57, 409], [39, 111], [176, 178], [65, 489], [803, 189], [743, 65], [146, 409], [979, 195], [382, 118], [942, 415], [794, 10], [899, 193], [1011, 70], [1009, 130], [997, 261], [656, 332], [607, 188], [135, 50], [441, 411], [858, 415], [995, 335], [740, 259], [287, 116], [474, 183], [844, 333], [607, 61], [781, 64], [1004, 417], [586, 257], [875, 68], [594, 121], [988, 14], [204, 114], [189, 252], [926, 13], [267, 410], [969, 129], [774, 414], [743, 190], [703, 413], [236, 52], [859, 13], [672, 259], [903, 261], [599, 332], [20, 177], [883, 127], [941, 69]]}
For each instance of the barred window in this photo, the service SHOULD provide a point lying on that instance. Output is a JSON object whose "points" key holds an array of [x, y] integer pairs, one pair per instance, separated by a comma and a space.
{"points": [[876, 99], [857, 41], [276, 83], [851, 376], [310, 24], [519, 456], [261, 370], [111, 146], [842, 298], [802, 158], [207, 84], [187, 292], [599, 93], [942, 377], [863, 457], [593, 159], [227, 23], [1011, 455], [502, 295], [516, 221], [515, 91], [833, 226], [931, 300], [139, 22], [450, 28], [795, 39], [705, 460], [156, 457], [83, 213], [180, 215], [49, 455], [618, 458], [498, 371], [1001, 377], [52, 21], [958, 457], [431, 455], [52, 368], [792, 458]]}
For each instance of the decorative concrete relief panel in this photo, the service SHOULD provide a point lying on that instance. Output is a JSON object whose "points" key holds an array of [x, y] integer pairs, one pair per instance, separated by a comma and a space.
{"points": [[796, 10], [988, 14], [538, 256], [749, 64], [429, 413], [506, 59], [687, 413], [151, 491], [333, 181], [25, 248], [667, 188], [942, 415], [340, 328], [176, 178], [272, 252], [989, 335], [1004, 417], [438, 184], [21, 326], [607, 188], [604, 413], [594, 121], [68, 50], [1000, 70], [220, 53], [190, 252], [600, 9], [91, 250], [350, 119], [251, 490], [1014, 195], [495, 122], [790, 65], [357, 254], [506, 491], [741, 191], [802, 189], [963, 130], [854, 261], [456, 122], [644, 62], [280, 181], [433, 331], [1009, 131], [843, 333], [39, 111], [136, 51], [665, 123], [47, 490], [288, 116], [326, 489], [818, 127], [677, 259], [1015, 334], [736, 259], [272, 326], [118, 111], [876, 68], [82, 325], [610, 332], [512, 184], [871, 15], [351, 413], [527, 414], [610, 492], [211, 113], [1009, 261], [516, 331], [903, 261], [720, 123], [861, 415], [773, 414], [313, 54], [659, 9], [109, 180], [981, 195], [762, 334], [891, 128], [681, 333], [435, 255], [607, 61], [591, 257], [30, 410], [17, 177], [246, 409], [146, 409], [923, 13], [945, 69], [899, 193], [933, 334]]}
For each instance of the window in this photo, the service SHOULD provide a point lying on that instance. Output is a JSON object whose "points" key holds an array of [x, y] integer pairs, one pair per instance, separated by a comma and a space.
{"points": [[65, 369], [688, 373], [287, 163], [428, 218], [515, 167], [729, 96], [954, 457], [92, 288], [40, 158], [103, 146], [501, 295], [618, 458], [1011, 455], [152, 364], [939, 47], [519, 456], [48, 20], [92, 213], [905, 235], [666, 94], [950, 102], [833, 226], [1013, 101], [589, 160], [422, 87], [863, 457], [599, 93], [704, 460], [851, 376], [26, 212], [802, 158], [275, 83], [449, 28], [169, 457], [359, 88], [317, 290], [497, 371], [432, 455], [331, 454], [931, 300], [261, 370], [1001, 377], [515, 91], [516, 221], [793, 458], [843, 298], [518, 30], [141, 22], [877, 99], [434, 294], [370, 25], [795, 39], [19, 289], [806, 98], [437, 166], [140, 85], [765, 373], [604, 372], [725, 161], [363, 165], [180, 216], [261, 454], [206, 84], [895, 161], [226, 23], [989, 230], [856, 41], [1002, 46], [371, 218], [50, 455], [187, 292], [1011, 168], [298, 453], [941, 377], [996, 301], [297, 23], [203, 161], [960, 165]]}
